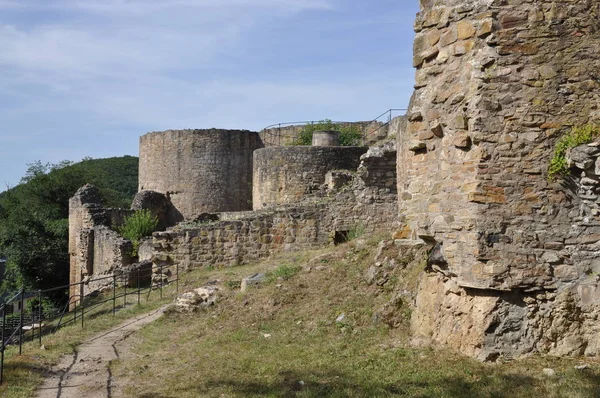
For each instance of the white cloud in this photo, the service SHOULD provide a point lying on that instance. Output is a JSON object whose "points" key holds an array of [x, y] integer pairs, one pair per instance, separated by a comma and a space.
{"points": [[151, 6], [8, 4], [70, 52], [109, 39], [128, 8]]}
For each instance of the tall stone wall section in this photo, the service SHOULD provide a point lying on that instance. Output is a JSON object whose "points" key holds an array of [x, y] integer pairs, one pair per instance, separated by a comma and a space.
{"points": [[496, 83], [201, 171], [94, 249]]}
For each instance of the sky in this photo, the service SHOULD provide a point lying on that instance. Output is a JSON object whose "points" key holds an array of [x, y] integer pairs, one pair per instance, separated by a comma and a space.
{"points": [[87, 78]]}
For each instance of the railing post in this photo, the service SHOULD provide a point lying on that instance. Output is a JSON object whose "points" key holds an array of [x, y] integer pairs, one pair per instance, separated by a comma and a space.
{"points": [[40, 313], [2, 344], [81, 292], [21, 322], [138, 285], [125, 283], [161, 280], [75, 311], [114, 293], [32, 324]]}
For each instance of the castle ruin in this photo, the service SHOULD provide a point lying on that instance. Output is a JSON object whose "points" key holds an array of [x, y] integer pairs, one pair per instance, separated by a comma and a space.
{"points": [[497, 82]]}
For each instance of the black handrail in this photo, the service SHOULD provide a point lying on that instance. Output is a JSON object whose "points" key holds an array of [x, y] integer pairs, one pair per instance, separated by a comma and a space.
{"points": [[268, 130], [15, 327]]}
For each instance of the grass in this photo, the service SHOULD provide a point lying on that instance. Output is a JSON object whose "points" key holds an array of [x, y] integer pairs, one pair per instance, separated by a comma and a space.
{"points": [[282, 340], [283, 272], [23, 373]]}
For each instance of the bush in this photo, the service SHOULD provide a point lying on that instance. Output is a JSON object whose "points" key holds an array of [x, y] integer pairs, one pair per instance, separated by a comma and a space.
{"points": [[350, 135], [139, 225], [49, 309], [577, 136]]}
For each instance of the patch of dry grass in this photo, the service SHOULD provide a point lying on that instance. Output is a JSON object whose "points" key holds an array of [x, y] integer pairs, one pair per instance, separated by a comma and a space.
{"points": [[282, 340]]}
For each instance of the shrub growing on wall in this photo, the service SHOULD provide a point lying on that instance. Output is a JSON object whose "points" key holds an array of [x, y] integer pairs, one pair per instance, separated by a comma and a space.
{"points": [[577, 136], [350, 135], [137, 226]]}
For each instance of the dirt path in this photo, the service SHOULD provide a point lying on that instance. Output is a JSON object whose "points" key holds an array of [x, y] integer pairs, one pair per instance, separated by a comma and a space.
{"points": [[86, 373]]}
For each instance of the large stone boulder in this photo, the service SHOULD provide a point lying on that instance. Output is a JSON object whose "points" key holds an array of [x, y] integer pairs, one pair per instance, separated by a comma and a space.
{"points": [[159, 205]]}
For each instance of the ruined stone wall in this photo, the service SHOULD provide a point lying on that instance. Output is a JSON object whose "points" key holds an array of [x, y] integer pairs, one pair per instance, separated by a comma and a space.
{"points": [[284, 175], [397, 126], [288, 134], [202, 171], [94, 249], [497, 82], [347, 202], [242, 240]]}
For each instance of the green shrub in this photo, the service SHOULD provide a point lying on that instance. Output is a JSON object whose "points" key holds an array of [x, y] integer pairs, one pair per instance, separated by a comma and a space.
{"points": [[49, 309], [350, 135], [137, 226], [577, 136]]}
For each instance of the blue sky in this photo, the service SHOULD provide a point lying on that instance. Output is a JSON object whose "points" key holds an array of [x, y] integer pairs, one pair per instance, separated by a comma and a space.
{"points": [[88, 77]]}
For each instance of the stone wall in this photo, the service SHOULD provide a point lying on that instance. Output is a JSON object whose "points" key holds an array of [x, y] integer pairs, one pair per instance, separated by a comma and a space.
{"points": [[349, 201], [284, 175], [247, 238], [497, 82], [201, 171], [288, 134], [397, 126], [94, 249]]}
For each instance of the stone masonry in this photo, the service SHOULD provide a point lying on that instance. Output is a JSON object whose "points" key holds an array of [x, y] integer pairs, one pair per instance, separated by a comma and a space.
{"points": [[200, 171], [285, 175], [364, 199], [94, 249], [497, 82]]}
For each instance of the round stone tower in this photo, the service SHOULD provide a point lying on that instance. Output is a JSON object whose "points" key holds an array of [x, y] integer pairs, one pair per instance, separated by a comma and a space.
{"points": [[202, 171], [284, 175]]}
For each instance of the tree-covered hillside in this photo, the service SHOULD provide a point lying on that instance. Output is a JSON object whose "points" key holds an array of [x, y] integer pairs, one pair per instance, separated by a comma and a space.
{"points": [[34, 216]]}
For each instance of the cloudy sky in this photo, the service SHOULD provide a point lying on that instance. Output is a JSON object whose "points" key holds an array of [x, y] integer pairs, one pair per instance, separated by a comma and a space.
{"points": [[88, 77]]}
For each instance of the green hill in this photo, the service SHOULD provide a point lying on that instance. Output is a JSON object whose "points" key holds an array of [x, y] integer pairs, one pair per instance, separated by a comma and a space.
{"points": [[34, 216]]}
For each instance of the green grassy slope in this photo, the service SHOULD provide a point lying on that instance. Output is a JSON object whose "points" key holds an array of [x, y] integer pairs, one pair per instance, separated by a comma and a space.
{"points": [[288, 338]]}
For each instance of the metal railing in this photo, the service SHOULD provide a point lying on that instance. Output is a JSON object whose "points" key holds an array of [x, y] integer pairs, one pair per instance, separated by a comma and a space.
{"points": [[22, 321], [273, 134]]}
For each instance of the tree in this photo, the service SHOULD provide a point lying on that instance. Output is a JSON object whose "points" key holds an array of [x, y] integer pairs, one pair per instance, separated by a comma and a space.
{"points": [[34, 216]]}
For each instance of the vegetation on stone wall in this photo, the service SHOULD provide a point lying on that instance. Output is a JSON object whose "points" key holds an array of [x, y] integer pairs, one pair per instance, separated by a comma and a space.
{"points": [[137, 226], [34, 216], [577, 136], [350, 134]]}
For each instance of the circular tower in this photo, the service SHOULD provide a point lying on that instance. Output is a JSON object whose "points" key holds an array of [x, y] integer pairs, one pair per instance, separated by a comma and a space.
{"points": [[201, 171], [284, 175]]}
